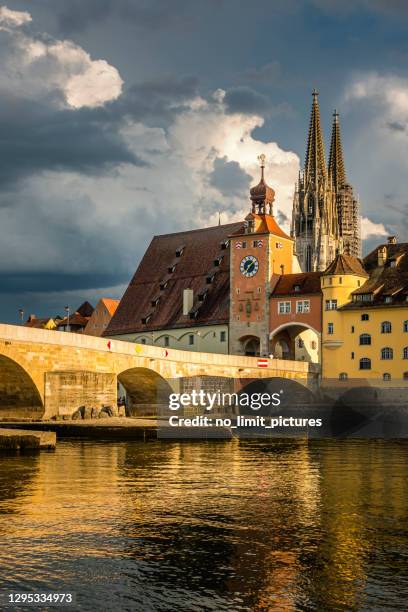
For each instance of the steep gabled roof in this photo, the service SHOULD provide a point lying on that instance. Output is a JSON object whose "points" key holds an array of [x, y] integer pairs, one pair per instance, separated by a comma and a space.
{"points": [[85, 310], [346, 264], [266, 224], [388, 283], [301, 283], [146, 306], [110, 305]]}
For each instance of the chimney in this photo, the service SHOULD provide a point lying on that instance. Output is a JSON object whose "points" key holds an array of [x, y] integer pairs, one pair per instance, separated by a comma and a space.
{"points": [[31, 317], [382, 255], [188, 300], [392, 240]]}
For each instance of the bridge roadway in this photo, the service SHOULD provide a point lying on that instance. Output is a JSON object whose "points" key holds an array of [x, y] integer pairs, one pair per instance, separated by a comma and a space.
{"points": [[48, 373]]}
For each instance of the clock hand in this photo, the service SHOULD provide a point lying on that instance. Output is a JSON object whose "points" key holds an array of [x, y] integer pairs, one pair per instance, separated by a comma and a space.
{"points": [[251, 265]]}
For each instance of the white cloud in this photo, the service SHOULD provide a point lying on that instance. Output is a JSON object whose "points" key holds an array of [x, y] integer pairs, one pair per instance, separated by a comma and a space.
{"points": [[379, 103], [40, 65], [369, 229], [74, 221], [12, 19], [390, 91]]}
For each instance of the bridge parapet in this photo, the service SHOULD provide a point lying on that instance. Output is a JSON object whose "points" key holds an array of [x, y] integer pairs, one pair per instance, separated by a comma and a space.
{"points": [[60, 367]]}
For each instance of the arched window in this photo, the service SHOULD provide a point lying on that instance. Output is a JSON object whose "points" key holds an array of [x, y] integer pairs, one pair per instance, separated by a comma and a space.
{"points": [[365, 363], [365, 339], [405, 352], [386, 376], [387, 353], [343, 376], [405, 326], [386, 327]]}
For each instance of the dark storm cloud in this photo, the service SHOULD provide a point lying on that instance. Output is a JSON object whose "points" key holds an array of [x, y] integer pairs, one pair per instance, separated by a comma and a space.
{"points": [[268, 73], [282, 218], [229, 178], [55, 281], [35, 137], [247, 101], [158, 99], [396, 126], [77, 15]]}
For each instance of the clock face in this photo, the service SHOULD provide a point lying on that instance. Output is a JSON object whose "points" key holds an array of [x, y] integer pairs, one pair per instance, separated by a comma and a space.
{"points": [[249, 266]]}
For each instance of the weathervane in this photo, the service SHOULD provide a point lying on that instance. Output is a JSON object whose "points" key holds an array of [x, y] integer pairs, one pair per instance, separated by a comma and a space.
{"points": [[262, 160]]}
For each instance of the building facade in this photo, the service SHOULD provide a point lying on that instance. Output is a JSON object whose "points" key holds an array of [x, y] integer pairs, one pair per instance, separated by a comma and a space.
{"points": [[365, 316], [325, 217], [212, 290]]}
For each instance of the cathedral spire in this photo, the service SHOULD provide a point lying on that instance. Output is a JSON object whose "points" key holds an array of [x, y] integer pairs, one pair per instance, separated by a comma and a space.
{"points": [[315, 164], [337, 173]]}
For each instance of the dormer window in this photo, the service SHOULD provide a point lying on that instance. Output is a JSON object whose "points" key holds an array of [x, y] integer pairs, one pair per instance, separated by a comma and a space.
{"points": [[388, 299], [146, 319], [171, 269], [202, 296], [163, 285], [218, 261], [180, 251], [225, 244], [210, 279], [296, 288], [155, 301], [393, 263]]}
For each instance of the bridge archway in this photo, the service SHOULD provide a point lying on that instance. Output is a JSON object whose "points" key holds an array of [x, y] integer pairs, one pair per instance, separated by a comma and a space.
{"points": [[145, 391], [250, 345], [19, 395], [296, 341]]}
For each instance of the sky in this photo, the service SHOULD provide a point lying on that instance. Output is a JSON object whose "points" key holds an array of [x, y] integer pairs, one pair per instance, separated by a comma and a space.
{"points": [[122, 119]]}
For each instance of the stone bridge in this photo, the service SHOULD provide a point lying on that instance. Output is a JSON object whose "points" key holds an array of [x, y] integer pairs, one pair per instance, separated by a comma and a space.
{"points": [[48, 373]]}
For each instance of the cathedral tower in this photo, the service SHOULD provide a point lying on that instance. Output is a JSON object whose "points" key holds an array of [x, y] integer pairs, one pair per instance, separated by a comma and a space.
{"points": [[347, 206], [325, 217], [314, 219]]}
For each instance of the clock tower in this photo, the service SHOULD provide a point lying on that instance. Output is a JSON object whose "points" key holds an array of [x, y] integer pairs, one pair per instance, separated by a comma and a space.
{"points": [[260, 254]]}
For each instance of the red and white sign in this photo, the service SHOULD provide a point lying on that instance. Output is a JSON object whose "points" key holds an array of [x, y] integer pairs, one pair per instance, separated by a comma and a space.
{"points": [[238, 245], [263, 363]]}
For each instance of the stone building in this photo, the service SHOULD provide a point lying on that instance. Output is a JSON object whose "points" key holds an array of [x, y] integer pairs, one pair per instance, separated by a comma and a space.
{"points": [[325, 217], [211, 289]]}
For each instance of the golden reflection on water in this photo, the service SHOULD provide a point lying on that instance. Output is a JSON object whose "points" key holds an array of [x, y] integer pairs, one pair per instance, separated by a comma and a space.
{"points": [[227, 525]]}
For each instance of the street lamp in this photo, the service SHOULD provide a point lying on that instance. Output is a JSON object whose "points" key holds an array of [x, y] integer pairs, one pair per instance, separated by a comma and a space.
{"points": [[21, 313], [67, 328]]}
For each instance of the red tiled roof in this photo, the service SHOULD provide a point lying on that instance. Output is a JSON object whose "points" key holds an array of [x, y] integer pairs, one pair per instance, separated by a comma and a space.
{"points": [[110, 305], [75, 320], [307, 283], [36, 323], [385, 281], [86, 309], [191, 271], [268, 225], [346, 264]]}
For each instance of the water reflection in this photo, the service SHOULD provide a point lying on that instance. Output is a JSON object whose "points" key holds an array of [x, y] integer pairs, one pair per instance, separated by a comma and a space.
{"points": [[227, 525]]}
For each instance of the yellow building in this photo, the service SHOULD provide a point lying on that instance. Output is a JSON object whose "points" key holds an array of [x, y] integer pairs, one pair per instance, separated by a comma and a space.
{"points": [[365, 316]]}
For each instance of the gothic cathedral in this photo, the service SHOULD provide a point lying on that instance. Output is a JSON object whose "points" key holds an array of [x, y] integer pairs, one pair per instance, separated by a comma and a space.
{"points": [[325, 218]]}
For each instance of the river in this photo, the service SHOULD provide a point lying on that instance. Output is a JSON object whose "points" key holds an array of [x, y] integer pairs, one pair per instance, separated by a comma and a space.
{"points": [[227, 525]]}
